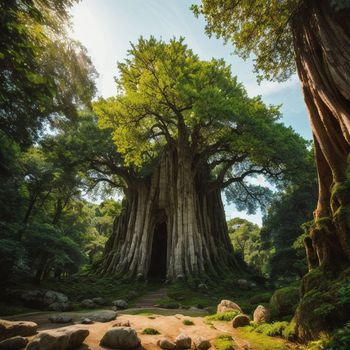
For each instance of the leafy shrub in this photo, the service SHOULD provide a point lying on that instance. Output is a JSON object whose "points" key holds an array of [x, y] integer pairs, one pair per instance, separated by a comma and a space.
{"points": [[223, 316], [284, 302], [224, 342], [188, 322], [150, 331], [340, 339], [272, 329], [260, 298]]}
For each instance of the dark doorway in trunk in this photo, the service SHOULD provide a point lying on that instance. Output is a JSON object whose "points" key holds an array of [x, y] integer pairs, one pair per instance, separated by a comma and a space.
{"points": [[157, 268]]}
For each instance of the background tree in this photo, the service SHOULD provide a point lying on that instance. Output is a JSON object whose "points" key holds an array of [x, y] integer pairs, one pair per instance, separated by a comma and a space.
{"points": [[311, 37], [185, 130], [246, 240]]}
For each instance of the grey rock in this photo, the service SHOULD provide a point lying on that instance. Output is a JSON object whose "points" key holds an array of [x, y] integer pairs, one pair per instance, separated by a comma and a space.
{"points": [[243, 284], [240, 321], [85, 320], [202, 343], [88, 303], [102, 316], [120, 304], [58, 306], [121, 338], [13, 343], [99, 301], [166, 344], [183, 341], [60, 319], [51, 296], [9, 329], [59, 339]]}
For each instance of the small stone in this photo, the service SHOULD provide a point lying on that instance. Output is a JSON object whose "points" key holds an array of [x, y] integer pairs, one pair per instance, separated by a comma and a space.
{"points": [[99, 301], [261, 315], [88, 303], [86, 321], [13, 343], [60, 319], [166, 344], [202, 343], [121, 338], [240, 321], [183, 341], [120, 304]]}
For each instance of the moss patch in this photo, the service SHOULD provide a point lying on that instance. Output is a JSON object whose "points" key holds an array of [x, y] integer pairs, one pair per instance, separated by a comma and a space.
{"points": [[284, 302], [150, 331], [188, 322], [223, 316], [224, 342], [259, 341]]}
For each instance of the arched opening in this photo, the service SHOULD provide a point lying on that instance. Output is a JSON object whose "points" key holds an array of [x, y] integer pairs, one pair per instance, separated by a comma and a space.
{"points": [[157, 268]]}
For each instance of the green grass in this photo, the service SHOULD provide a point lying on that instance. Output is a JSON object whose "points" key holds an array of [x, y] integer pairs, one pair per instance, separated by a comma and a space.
{"points": [[188, 322], [150, 331], [224, 342], [223, 316], [260, 341]]}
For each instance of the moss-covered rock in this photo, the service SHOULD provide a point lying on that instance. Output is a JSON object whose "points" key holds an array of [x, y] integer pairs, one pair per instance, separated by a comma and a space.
{"points": [[284, 302]]}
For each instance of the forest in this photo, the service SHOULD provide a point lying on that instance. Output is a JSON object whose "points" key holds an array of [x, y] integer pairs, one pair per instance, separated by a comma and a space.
{"points": [[114, 230]]}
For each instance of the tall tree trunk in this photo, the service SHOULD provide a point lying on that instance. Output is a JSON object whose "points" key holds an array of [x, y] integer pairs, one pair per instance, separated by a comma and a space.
{"points": [[322, 51], [322, 47], [197, 237]]}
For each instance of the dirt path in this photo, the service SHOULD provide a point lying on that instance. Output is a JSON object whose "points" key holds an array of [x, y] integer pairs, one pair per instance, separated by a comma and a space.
{"points": [[170, 326], [150, 299]]}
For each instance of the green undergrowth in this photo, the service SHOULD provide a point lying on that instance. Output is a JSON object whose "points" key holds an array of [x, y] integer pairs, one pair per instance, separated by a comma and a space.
{"points": [[284, 302], [260, 341], [224, 342], [223, 316], [150, 331]]}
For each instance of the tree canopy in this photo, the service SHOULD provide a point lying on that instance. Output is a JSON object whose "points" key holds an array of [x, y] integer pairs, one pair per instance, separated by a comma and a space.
{"points": [[168, 97], [261, 28]]}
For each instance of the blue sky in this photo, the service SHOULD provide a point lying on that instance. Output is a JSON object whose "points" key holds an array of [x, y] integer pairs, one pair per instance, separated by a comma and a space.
{"points": [[106, 28]]}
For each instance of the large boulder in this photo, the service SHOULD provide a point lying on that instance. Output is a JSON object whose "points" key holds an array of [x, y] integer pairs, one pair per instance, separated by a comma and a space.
{"points": [[284, 302], [120, 304], [47, 299], [14, 343], [9, 329], [183, 341], [228, 305], [240, 321], [261, 315], [59, 339], [166, 344], [202, 343], [102, 316], [121, 338]]}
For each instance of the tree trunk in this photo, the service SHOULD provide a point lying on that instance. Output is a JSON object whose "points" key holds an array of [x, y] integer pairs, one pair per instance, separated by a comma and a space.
{"points": [[322, 49], [174, 196], [322, 52]]}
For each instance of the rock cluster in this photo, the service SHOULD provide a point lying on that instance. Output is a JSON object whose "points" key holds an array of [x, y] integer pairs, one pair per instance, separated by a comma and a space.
{"points": [[46, 299], [12, 334], [120, 304], [183, 342]]}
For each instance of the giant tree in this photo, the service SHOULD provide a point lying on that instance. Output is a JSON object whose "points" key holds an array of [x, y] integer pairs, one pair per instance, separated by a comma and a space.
{"points": [[311, 37], [185, 130]]}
